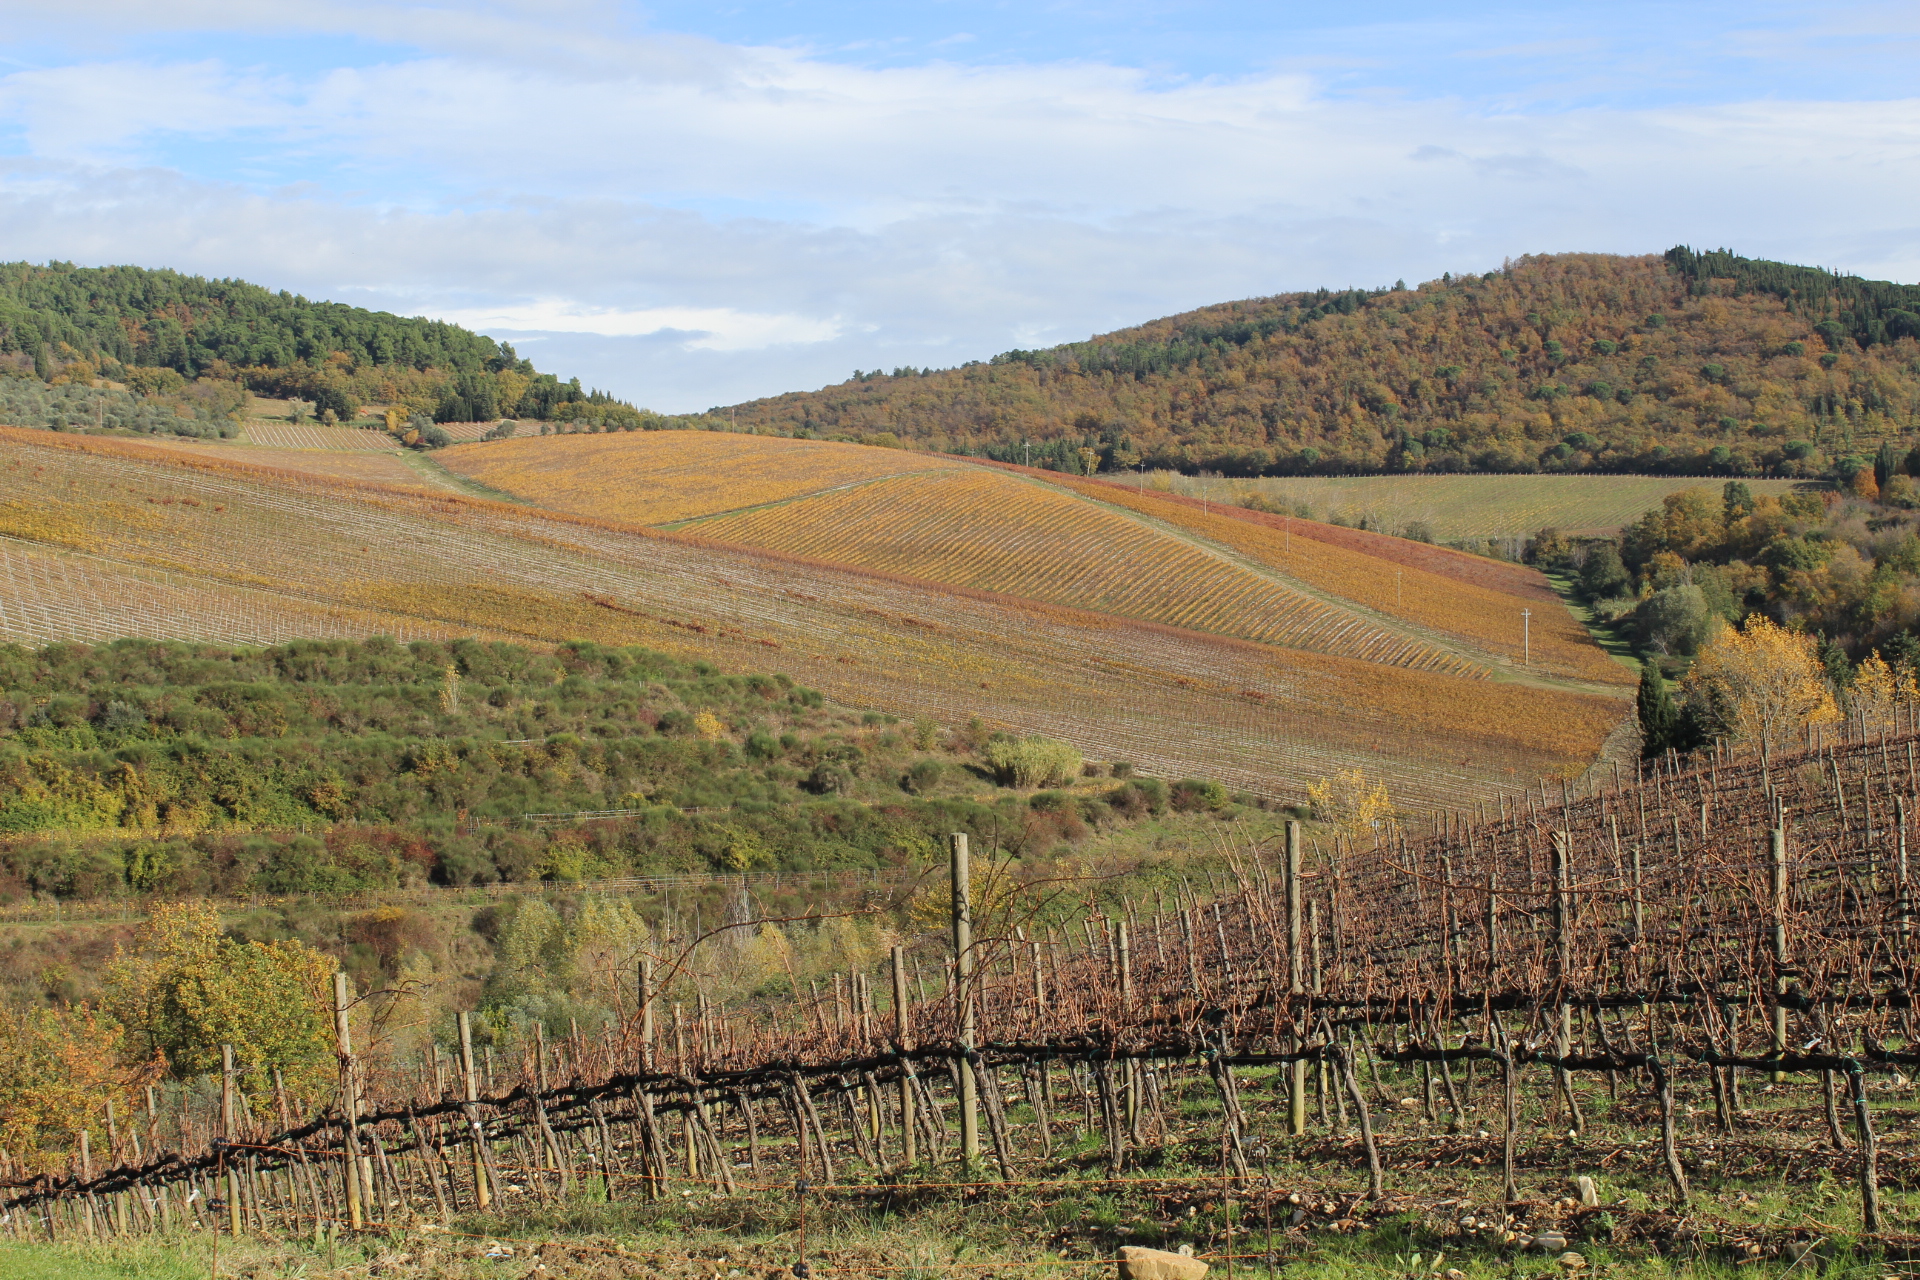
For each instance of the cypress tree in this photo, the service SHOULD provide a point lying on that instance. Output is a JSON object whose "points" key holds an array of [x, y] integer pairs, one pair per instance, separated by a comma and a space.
{"points": [[1659, 718], [1886, 464]]}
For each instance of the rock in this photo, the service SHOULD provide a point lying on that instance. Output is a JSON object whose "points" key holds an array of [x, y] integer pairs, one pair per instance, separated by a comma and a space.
{"points": [[1572, 1261], [1550, 1242], [1156, 1264], [1589, 1192]]}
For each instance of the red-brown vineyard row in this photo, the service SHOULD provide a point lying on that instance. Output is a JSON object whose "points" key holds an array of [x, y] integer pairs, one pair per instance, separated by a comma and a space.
{"points": [[1745, 925]]}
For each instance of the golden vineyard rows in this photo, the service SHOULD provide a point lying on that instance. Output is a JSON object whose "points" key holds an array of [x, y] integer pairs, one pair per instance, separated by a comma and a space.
{"points": [[662, 477], [1483, 616], [994, 532], [405, 561]]}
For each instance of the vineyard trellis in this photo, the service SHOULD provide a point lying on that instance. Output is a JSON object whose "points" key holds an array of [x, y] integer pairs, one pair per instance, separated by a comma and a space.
{"points": [[1690, 928]]}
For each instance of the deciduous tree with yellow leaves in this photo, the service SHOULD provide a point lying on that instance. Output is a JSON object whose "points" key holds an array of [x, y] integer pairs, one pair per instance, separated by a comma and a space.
{"points": [[1761, 682], [1350, 802]]}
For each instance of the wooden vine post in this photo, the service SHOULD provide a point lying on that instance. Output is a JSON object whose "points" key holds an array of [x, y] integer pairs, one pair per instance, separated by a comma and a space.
{"points": [[349, 1100], [1778, 859], [1296, 982], [963, 997], [227, 1127], [909, 1144], [470, 1094]]}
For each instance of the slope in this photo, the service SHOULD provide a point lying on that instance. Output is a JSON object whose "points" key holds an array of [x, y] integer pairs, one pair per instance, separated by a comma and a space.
{"points": [[1476, 601], [952, 521], [660, 477], [1689, 364], [206, 533]]}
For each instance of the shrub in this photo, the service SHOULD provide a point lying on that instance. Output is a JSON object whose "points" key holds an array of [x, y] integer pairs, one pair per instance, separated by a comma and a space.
{"points": [[924, 777], [1121, 769], [1141, 795], [1033, 762], [1192, 794], [828, 779]]}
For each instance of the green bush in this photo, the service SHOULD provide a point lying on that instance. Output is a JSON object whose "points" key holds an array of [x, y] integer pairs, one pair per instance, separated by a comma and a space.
{"points": [[1033, 762], [924, 777], [1192, 794]]}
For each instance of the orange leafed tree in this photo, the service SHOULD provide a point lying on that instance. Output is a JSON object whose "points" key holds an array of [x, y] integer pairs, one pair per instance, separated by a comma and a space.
{"points": [[1763, 682], [59, 1069]]}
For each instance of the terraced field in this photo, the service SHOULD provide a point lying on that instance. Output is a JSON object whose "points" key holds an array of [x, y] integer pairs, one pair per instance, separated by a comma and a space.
{"points": [[989, 531], [187, 536], [661, 477], [1461, 507]]}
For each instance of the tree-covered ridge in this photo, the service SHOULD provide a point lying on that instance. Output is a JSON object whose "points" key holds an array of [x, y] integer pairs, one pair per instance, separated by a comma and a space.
{"points": [[1573, 362], [161, 333], [165, 319]]}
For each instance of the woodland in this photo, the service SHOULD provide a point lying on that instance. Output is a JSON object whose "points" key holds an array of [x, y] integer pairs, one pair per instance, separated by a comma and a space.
{"points": [[1688, 363], [174, 341]]}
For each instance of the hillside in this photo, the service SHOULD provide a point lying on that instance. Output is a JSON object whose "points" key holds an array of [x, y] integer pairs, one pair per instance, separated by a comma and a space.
{"points": [[327, 766], [179, 338], [1686, 364], [1044, 536], [101, 539]]}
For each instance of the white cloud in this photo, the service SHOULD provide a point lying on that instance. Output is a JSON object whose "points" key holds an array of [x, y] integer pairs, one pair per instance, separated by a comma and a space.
{"points": [[707, 328], [698, 223]]}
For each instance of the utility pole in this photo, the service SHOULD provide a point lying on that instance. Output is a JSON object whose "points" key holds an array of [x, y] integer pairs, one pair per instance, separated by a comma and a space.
{"points": [[1526, 637]]}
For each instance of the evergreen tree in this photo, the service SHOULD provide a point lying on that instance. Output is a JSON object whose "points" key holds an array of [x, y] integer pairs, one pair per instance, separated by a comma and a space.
{"points": [[1659, 717], [1736, 500], [1886, 464]]}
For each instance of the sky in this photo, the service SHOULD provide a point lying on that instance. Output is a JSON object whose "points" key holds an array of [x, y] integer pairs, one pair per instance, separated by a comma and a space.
{"points": [[692, 205]]}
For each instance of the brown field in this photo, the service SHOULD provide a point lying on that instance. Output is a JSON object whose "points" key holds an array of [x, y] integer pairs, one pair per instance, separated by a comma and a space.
{"points": [[1174, 701]]}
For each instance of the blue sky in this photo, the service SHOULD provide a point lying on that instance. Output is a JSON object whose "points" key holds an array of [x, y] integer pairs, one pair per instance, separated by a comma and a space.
{"points": [[693, 204]]}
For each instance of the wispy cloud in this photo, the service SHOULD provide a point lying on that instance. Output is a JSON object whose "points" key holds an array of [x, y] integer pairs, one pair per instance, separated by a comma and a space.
{"points": [[693, 222]]}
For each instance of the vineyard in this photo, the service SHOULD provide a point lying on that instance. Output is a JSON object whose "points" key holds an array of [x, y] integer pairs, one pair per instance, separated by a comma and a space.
{"points": [[981, 529], [1664, 988], [287, 435], [1392, 578], [661, 477], [1459, 507], [1172, 701]]}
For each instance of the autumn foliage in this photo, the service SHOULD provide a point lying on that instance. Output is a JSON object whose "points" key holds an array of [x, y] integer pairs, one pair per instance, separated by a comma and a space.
{"points": [[1571, 362]]}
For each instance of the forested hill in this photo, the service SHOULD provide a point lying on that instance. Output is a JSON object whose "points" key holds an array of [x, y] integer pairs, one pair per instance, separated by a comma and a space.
{"points": [[155, 330], [1695, 363], [188, 323]]}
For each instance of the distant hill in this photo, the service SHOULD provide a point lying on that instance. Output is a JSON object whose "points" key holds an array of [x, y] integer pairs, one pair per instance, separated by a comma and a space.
{"points": [[159, 331], [1687, 363]]}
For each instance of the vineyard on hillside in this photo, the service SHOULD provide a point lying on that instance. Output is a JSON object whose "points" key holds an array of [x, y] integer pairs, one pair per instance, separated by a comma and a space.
{"points": [[980, 529], [1459, 508], [1662, 991], [661, 477], [1172, 701], [1394, 582]]}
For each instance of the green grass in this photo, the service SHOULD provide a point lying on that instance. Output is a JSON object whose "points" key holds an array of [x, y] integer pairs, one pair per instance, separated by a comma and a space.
{"points": [[1456, 508]]}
